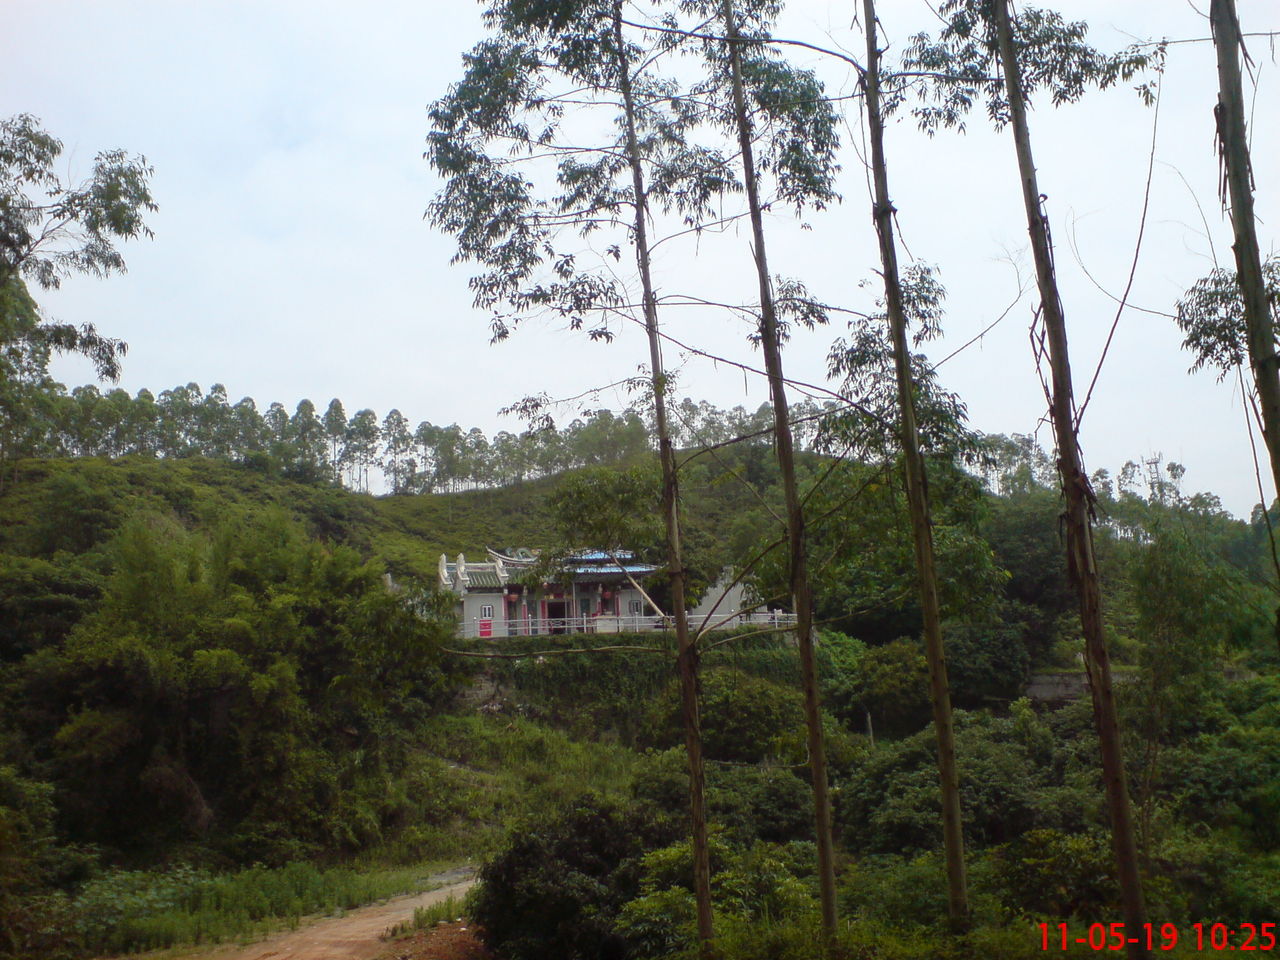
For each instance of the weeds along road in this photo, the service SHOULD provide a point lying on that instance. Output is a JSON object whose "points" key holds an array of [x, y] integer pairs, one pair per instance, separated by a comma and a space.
{"points": [[355, 936]]}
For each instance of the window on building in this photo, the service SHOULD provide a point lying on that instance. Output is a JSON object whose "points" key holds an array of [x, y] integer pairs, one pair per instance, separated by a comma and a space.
{"points": [[636, 607], [486, 611]]}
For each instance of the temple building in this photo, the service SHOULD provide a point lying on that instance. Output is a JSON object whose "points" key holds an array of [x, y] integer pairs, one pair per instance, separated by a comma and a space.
{"points": [[596, 592]]}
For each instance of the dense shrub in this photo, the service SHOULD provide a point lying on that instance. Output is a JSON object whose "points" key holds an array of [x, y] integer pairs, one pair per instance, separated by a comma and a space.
{"points": [[555, 889], [747, 801], [252, 689], [985, 664], [1054, 874], [759, 882], [888, 689], [1014, 777]]}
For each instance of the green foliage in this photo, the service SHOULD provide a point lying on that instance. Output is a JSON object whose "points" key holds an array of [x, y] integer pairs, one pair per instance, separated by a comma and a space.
{"points": [[38, 208], [177, 648], [26, 849], [631, 693], [746, 801], [747, 719], [1229, 779], [1055, 874], [961, 66], [43, 601], [1012, 779], [985, 663], [908, 893], [50, 230], [867, 585], [661, 923], [252, 686], [1211, 314], [128, 911], [1022, 530], [864, 361], [609, 509], [557, 886], [891, 684], [758, 883], [509, 768], [426, 917]]}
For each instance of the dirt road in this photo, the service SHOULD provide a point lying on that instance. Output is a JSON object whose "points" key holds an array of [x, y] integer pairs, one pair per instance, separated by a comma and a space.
{"points": [[351, 937]]}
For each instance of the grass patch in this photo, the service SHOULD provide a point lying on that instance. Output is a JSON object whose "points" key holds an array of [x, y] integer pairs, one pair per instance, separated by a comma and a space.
{"points": [[485, 773], [128, 911], [446, 911]]}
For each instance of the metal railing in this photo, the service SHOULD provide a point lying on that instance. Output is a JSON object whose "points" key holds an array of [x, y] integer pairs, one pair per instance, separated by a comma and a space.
{"points": [[637, 623]]}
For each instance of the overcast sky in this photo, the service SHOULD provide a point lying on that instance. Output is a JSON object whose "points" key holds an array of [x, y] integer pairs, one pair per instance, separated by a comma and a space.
{"points": [[291, 258]]}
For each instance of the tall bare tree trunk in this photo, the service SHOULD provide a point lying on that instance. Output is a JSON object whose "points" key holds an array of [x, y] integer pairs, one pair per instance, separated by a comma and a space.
{"points": [[917, 494], [1237, 187], [801, 590], [1081, 564], [688, 656]]}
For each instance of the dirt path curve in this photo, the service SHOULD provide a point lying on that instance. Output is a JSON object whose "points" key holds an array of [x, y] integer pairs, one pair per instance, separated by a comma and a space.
{"points": [[351, 937]]}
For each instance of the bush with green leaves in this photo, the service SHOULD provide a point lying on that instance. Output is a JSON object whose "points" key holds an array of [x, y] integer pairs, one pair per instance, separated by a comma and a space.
{"points": [[748, 802], [746, 720], [756, 882], [889, 689], [986, 664], [1015, 775], [555, 889], [630, 692], [1051, 873], [252, 688]]}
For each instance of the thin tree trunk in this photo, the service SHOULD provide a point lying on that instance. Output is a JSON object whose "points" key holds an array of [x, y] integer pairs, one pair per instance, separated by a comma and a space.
{"points": [[1081, 565], [688, 656], [801, 590], [1237, 187], [917, 494]]}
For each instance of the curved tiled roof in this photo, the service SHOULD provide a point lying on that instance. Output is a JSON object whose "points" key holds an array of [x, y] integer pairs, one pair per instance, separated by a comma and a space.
{"points": [[503, 567]]}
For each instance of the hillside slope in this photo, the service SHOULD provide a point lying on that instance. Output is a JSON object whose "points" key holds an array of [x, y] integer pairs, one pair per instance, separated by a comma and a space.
{"points": [[76, 505]]}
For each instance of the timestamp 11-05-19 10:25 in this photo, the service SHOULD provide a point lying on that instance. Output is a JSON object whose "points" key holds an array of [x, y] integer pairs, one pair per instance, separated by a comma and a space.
{"points": [[1164, 936]]}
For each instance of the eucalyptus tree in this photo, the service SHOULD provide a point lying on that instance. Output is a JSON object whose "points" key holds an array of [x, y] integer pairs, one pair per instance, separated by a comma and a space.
{"points": [[446, 457], [507, 468], [250, 428], [424, 448], [761, 100], [115, 406], [335, 429], [85, 427], [1215, 318], [895, 302], [1258, 302], [1230, 315], [397, 447], [987, 55], [307, 441], [360, 450], [528, 239], [216, 426], [50, 229], [477, 458], [1212, 316], [179, 411], [397, 451], [143, 417], [279, 436]]}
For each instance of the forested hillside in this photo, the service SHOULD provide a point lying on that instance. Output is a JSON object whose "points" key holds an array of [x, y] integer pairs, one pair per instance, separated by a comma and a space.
{"points": [[203, 666], [1020, 705]]}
